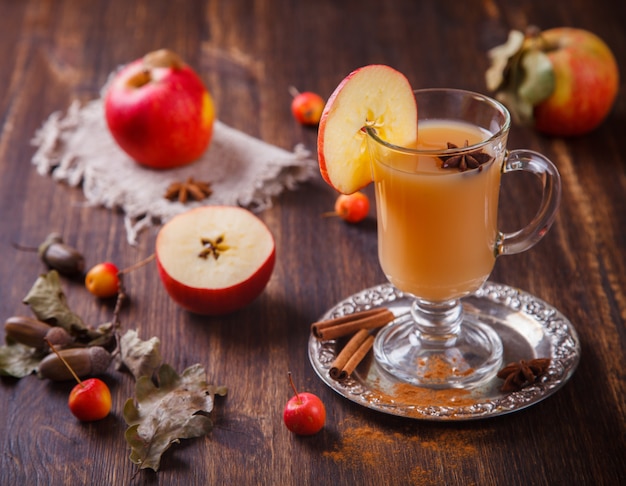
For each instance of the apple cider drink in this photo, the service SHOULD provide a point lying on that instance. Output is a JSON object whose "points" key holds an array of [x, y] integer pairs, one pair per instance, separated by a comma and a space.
{"points": [[436, 157], [437, 228]]}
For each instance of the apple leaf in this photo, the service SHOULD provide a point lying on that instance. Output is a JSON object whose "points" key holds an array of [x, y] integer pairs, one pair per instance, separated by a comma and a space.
{"points": [[501, 57], [141, 358], [18, 360], [538, 80], [521, 74], [160, 415]]}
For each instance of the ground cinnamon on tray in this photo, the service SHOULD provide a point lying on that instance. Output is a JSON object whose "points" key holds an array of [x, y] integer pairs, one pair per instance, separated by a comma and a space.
{"points": [[437, 370], [424, 397]]}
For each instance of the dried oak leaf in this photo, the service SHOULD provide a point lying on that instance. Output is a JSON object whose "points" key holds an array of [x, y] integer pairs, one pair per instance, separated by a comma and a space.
{"points": [[48, 302], [141, 358], [160, 415], [18, 360]]}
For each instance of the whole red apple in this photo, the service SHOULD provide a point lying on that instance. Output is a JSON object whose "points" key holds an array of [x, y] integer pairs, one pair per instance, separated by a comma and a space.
{"points": [[159, 111], [563, 81], [215, 259]]}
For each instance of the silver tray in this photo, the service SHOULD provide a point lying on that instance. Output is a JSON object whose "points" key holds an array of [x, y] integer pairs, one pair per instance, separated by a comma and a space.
{"points": [[529, 328]]}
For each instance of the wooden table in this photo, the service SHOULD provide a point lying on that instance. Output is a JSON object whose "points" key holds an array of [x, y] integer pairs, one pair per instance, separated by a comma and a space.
{"points": [[249, 53]]}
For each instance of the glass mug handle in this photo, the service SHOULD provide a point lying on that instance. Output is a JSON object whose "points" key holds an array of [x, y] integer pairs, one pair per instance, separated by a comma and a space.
{"points": [[525, 238]]}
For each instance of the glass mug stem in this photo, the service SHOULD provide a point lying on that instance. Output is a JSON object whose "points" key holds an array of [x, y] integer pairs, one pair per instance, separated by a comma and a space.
{"points": [[527, 237]]}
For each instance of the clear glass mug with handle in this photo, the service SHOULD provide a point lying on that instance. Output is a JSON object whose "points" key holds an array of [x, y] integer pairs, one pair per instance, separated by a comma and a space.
{"points": [[438, 239]]}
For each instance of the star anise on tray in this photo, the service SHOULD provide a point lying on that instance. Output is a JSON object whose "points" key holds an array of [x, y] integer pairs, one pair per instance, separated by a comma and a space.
{"points": [[191, 189], [522, 373], [468, 160]]}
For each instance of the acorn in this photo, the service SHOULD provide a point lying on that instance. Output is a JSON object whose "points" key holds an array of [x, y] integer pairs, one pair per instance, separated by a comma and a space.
{"points": [[60, 256], [93, 360], [26, 330], [34, 333]]}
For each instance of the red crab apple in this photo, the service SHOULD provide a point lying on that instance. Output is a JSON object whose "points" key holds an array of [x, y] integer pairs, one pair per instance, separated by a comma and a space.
{"points": [[159, 111], [563, 81], [307, 107], [90, 400], [102, 280], [215, 259], [304, 413], [352, 208], [376, 96]]}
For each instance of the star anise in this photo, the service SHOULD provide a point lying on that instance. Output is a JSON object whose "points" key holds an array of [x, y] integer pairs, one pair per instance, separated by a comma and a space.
{"points": [[465, 161], [522, 373], [190, 189]]}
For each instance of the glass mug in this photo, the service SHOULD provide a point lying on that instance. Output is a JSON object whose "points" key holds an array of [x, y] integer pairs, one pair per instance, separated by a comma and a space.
{"points": [[438, 239]]}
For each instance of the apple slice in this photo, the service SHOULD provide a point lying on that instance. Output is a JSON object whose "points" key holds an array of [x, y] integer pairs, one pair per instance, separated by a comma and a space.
{"points": [[215, 259], [374, 95]]}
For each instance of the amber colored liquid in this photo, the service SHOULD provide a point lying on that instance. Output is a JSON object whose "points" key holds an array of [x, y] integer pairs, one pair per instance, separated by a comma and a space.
{"points": [[437, 228]]}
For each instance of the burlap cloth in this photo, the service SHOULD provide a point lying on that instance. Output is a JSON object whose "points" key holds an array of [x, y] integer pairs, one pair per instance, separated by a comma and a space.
{"points": [[76, 148]]}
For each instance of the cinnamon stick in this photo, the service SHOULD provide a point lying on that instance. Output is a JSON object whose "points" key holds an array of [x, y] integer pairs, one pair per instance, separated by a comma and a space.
{"points": [[351, 355], [349, 324]]}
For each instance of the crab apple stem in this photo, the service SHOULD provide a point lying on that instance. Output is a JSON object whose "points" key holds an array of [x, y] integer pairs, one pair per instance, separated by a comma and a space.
{"points": [[21, 247], [137, 265], [294, 387], [64, 361], [293, 91]]}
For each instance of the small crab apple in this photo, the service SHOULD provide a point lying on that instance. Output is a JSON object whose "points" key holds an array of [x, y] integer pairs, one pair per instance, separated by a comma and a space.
{"points": [[352, 207], [90, 400], [102, 280], [304, 413], [307, 107]]}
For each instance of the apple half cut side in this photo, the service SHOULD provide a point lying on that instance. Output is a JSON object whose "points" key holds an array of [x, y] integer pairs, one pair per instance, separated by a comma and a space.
{"points": [[375, 95], [213, 260]]}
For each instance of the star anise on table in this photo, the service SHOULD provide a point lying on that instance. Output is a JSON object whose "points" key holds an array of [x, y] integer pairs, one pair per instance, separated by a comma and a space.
{"points": [[190, 189], [464, 161], [522, 373]]}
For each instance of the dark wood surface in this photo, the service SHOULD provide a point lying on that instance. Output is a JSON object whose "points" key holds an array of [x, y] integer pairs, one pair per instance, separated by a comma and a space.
{"points": [[249, 53]]}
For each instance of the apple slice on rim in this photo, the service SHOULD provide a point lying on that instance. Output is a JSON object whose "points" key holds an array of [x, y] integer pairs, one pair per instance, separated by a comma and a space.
{"points": [[375, 95]]}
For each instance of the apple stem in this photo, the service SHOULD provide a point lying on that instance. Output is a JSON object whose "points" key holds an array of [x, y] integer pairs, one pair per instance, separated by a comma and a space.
{"points": [[294, 387], [329, 214], [293, 91], [64, 361]]}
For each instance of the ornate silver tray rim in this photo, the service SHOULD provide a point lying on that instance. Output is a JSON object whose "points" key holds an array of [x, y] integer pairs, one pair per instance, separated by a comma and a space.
{"points": [[528, 325]]}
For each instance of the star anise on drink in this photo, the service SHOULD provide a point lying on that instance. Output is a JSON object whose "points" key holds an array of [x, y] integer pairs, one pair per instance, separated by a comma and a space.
{"points": [[522, 373], [468, 160], [191, 189]]}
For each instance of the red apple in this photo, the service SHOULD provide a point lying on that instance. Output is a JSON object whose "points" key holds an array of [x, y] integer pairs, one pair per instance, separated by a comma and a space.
{"points": [[90, 400], [215, 259], [562, 81], [159, 111], [376, 96]]}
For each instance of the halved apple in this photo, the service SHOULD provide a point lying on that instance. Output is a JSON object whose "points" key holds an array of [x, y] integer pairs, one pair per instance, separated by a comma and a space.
{"points": [[215, 259], [374, 95]]}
